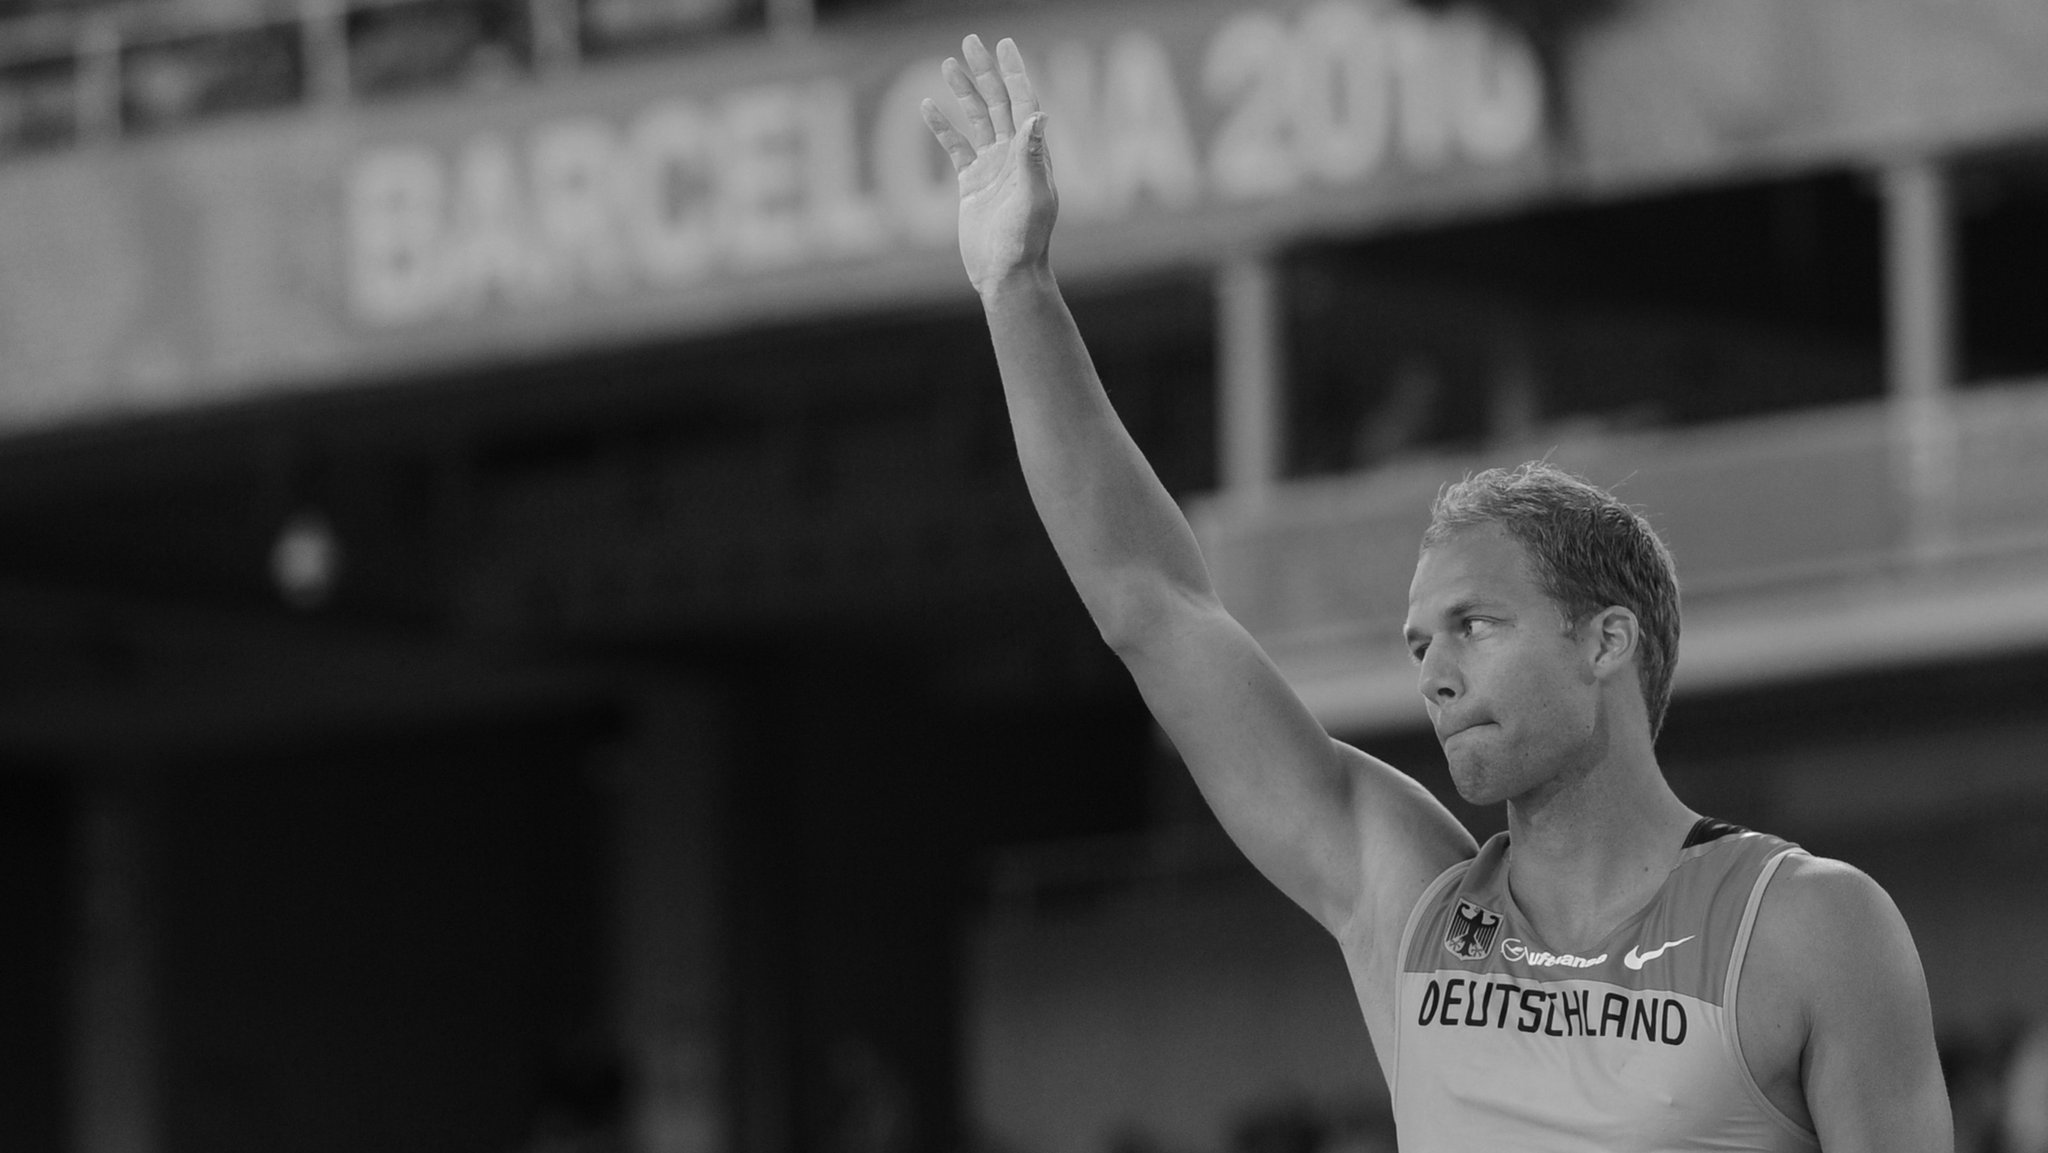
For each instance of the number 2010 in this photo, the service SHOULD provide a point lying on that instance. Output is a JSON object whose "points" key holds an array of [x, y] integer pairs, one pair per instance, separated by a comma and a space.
{"points": [[1327, 99]]}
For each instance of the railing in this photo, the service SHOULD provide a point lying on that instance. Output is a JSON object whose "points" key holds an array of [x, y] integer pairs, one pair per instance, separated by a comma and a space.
{"points": [[1789, 501], [86, 76]]}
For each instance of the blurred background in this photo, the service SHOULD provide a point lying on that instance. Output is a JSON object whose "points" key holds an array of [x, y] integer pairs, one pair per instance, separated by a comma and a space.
{"points": [[520, 629]]}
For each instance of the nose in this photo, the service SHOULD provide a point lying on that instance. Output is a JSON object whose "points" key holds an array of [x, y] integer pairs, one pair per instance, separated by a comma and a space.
{"points": [[1438, 678]]}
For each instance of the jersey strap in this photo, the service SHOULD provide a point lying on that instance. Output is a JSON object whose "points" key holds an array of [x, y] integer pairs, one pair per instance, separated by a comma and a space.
{"points": [[1709, 829]]}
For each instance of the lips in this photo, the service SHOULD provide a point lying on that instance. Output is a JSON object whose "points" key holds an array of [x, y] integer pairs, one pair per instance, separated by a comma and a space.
{"points": [[1466, 727]]}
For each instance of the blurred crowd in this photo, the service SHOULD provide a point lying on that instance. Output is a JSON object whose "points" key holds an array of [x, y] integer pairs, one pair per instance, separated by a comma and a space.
{"points": [[174, 62], [1998, 1086]]}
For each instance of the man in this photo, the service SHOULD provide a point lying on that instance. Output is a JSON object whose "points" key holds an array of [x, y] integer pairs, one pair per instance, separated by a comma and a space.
{"points": [[1614, 972]]}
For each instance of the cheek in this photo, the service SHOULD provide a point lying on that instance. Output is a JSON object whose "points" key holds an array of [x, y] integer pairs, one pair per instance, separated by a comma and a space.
{"points": [[1552, 700]]}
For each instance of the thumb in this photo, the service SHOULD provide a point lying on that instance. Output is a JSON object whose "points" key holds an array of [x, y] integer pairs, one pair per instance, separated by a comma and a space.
{"points": [[1029, 151]]}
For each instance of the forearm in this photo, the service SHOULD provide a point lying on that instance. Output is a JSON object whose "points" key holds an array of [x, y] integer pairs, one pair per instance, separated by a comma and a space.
{"points": [[1123, 540]]}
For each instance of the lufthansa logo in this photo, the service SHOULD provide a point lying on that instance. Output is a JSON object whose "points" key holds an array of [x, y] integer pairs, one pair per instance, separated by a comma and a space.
{"points": [[1514, 950]]}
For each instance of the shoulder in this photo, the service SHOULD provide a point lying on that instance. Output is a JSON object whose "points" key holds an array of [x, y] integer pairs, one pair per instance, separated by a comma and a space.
{"points": [[1819, 906], [1845, 1027], [1826, 938], [1406, 837]]}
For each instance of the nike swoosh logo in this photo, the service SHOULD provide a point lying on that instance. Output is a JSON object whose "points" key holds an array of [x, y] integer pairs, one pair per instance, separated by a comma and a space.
{"points": [[1636, 961]]}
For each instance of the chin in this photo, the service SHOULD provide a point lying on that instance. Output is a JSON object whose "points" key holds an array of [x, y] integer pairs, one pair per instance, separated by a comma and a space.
{"points": [[1483, 793], [1475, 784], [1484, 780]]}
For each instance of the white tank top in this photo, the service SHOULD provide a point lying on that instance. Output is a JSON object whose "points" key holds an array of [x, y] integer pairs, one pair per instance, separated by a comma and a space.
{"points": [[1502, 1043]]}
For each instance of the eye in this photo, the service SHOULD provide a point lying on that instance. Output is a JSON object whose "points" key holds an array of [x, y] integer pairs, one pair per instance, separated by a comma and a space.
{"points": [[1416, 651], [1475, 626]]}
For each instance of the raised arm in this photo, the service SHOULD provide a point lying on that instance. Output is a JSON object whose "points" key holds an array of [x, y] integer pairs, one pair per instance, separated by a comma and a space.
{"points": [[1345, 836]]}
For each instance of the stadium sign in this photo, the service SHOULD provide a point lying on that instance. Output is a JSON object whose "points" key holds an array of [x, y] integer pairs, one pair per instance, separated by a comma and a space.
{"points": [[1216, 107], [759, 179]]}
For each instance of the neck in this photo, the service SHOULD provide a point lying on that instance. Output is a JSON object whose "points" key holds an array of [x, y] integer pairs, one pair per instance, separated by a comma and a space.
{"points": [[1590, 849]]}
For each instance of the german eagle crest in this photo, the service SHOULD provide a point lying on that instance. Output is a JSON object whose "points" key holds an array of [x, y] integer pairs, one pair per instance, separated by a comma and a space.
{"points": [[1472, 932]]}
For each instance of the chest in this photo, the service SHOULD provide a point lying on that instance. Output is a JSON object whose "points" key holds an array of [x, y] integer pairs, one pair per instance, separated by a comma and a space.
{"points": [[1505, 1060], [1633, 1044]]}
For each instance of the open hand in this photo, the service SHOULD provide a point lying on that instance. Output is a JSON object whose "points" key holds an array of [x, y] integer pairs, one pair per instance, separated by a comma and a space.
{"points": [[1007, 200]]}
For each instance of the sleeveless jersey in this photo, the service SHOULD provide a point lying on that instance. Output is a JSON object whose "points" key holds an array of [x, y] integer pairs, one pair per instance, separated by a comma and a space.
{"points": [[1502, 1043]]}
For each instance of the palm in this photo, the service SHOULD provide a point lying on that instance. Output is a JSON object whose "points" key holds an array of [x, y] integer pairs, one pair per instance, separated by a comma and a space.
{"points": [[1002, 224], [1007, 201]]}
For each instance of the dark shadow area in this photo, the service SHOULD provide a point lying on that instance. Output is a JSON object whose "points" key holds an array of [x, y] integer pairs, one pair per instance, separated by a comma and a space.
{"points": [[36, 816], [379, 945], [2001, 206], [1679, 309]]}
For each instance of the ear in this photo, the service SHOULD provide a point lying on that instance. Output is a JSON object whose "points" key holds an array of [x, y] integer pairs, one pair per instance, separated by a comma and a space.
{"points": [[1612, 636]]}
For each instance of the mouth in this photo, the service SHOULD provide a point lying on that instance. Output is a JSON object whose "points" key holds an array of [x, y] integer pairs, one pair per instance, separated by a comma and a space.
{"points": [[1461, 730]]}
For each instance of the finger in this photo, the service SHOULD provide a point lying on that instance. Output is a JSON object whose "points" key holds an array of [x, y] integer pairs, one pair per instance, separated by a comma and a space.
{"points": [[956, 145], [1023, 98], [988, 81], [980, 132]]}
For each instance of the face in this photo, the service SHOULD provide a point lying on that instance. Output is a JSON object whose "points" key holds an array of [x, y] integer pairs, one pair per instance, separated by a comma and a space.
{"points": [[1511, 692]]}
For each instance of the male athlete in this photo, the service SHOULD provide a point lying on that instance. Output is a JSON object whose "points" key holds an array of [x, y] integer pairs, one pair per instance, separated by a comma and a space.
{"points": [[1613, 973]]}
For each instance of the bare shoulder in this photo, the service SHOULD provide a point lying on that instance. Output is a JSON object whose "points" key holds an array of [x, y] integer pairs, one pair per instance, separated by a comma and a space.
{"points": [[1823, 931], [1407, 839], [1339, 832], [1829, 913], [1834, 1014]]}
